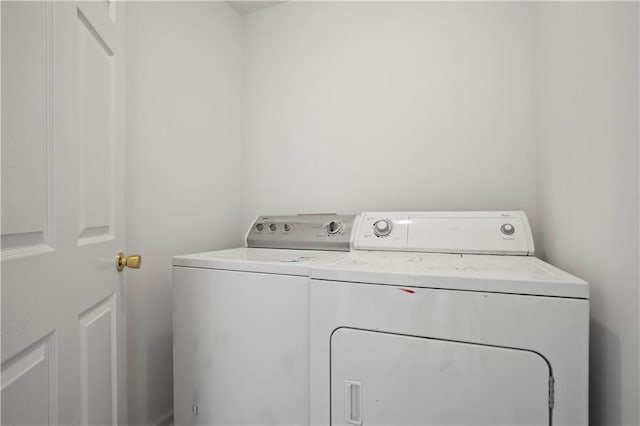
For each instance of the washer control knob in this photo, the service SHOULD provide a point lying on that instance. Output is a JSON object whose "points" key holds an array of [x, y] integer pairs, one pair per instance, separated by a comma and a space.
{"points": [[333, 227], [507, 229], [273, 227], [382, 227], [259, 227]]}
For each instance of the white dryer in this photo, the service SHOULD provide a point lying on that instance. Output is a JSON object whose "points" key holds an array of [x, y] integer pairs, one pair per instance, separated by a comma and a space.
{"points": [[447, 319], [240, 323]]}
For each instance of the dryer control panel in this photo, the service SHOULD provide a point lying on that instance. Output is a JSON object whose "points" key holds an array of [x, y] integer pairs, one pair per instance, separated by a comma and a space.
{"points": [[307, 232], [499, 232]]}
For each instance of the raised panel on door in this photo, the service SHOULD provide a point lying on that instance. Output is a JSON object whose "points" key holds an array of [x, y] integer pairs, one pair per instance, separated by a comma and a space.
{"points": [[26, 128], [390, 379], [31, 372], [98, 368], [96, 125]]}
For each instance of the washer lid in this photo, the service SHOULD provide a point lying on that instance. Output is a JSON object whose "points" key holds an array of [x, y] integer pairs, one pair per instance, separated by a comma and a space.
{"points": [[487, 273], [271, 261]]}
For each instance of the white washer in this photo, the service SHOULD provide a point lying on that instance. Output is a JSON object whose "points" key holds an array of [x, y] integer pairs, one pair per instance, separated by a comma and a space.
{"points": [[241, 323], [411, 328]]}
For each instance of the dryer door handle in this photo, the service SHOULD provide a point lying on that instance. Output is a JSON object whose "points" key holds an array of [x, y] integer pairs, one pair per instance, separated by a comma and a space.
{"points": [[353, 402]]}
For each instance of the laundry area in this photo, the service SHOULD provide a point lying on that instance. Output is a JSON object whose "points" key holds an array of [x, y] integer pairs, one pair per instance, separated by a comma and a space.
{"points": [[320, 212]]}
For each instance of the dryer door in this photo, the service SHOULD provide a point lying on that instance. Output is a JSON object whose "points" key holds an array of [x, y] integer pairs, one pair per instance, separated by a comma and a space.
{"points": [[389, 379]]}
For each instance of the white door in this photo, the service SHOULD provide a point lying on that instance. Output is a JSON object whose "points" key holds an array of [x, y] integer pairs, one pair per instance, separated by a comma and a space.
{"points": [[390, 379], [63, 317]]}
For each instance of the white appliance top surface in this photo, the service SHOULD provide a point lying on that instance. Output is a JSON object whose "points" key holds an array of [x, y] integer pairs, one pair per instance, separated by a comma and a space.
{"points": [[487, 273], [273, 261]]}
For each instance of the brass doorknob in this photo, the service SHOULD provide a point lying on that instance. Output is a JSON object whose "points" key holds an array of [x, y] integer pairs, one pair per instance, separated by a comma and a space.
{"points": [[134, 261]]}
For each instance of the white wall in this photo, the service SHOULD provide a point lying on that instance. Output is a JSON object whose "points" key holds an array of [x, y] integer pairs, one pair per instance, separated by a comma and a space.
{"points": [[389, 105], [407, 105], [184, 173], [588, 181]]}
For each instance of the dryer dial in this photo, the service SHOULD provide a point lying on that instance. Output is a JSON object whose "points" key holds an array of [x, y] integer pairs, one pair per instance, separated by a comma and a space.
{"points": [[382, 227], [507, 229]]}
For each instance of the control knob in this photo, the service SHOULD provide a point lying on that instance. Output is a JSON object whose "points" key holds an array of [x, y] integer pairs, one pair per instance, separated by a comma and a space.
{"points": [[334, 227], [507, 229], [382, 227]]}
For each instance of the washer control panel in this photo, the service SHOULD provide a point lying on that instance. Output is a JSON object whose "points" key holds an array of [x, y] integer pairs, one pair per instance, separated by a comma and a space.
{"points": [[312, 232], [499, 232]]}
